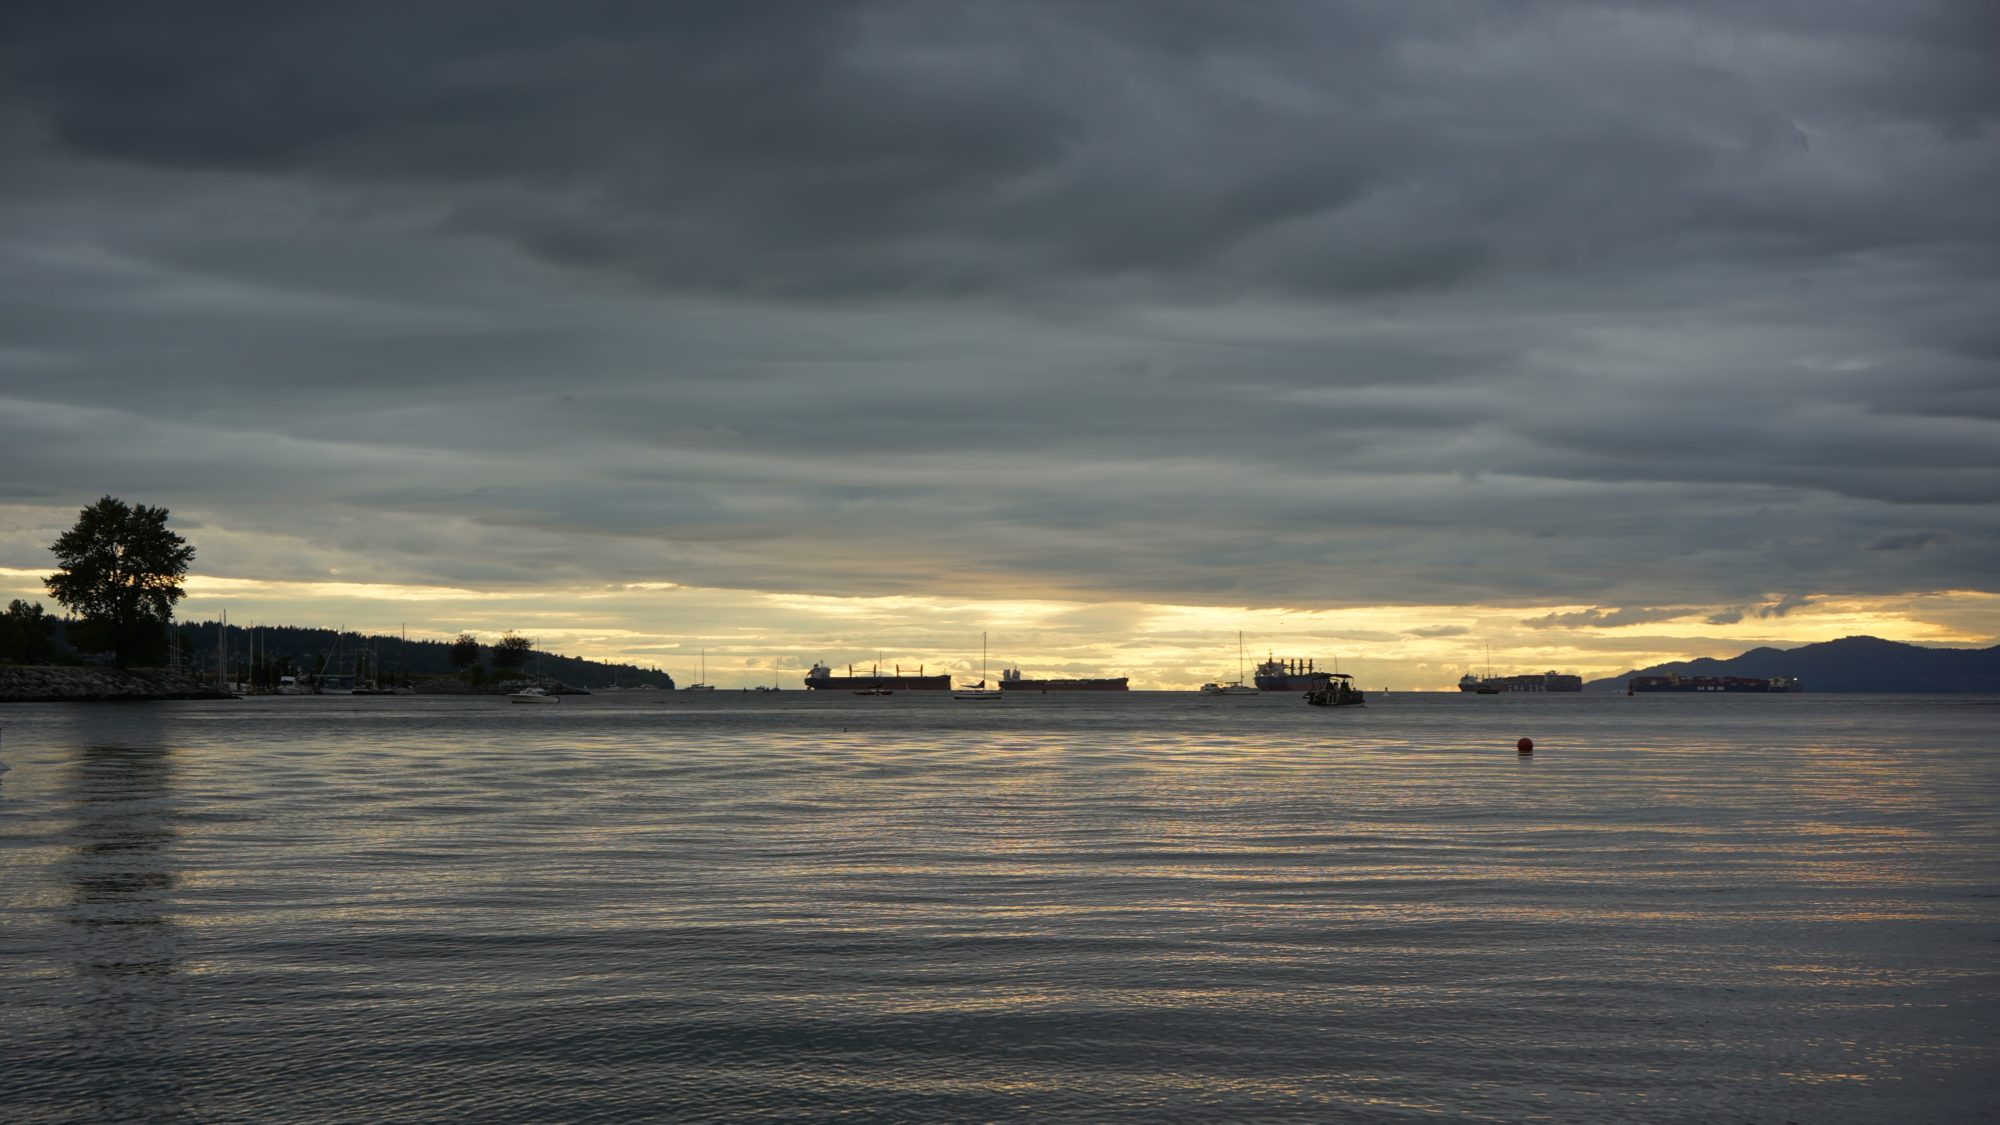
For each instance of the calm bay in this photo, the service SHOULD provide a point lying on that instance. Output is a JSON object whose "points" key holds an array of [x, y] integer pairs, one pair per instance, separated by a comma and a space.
{"points": [[1095, 907]]}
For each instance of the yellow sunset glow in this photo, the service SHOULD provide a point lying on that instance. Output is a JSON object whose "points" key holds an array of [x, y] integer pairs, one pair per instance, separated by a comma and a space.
{"points": [[750, 636]]}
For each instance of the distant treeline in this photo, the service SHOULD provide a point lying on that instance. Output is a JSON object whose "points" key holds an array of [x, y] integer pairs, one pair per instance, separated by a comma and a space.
{"points": [[291, 650]]}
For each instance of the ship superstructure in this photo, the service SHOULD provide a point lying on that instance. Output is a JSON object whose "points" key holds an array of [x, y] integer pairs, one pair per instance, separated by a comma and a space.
{"points": [[1291, 675]]}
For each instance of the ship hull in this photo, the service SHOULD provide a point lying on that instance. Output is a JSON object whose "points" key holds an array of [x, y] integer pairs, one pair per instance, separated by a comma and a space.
{"points": [[1291, 675], [1690, 685], [1298, 681], [889, 683], [1553, 681], [1114, 683]]}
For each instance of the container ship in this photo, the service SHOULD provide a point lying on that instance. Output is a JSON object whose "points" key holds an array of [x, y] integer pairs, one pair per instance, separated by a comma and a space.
{"points": [[1291, 675], [1674, 682], [1012, 680], [821, 678], [1532, 681]]}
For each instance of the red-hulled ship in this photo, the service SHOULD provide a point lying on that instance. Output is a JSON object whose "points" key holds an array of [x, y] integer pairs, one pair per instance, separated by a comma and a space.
{"points": [[821, 678], [1012, 680]]}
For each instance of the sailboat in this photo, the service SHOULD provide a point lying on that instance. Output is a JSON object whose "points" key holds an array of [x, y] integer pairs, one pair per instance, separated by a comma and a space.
{"points": [[1478, 686], [1235, 686], [980, 690], [701, 682]]}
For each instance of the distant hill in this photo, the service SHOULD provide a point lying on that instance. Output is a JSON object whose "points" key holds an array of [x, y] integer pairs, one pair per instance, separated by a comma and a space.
{"points": [[306, 649], [1848, 664]]}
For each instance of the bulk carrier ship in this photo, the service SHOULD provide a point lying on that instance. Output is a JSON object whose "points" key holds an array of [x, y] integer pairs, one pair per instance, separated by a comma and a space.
{"points": [[1291, 675], [821, 678], [1730, 685], [1532, 681], [1012, 680]]}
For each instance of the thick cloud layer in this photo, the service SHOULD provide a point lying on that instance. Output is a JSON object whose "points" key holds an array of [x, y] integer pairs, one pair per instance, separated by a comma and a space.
{"points": [[1671, 313]]}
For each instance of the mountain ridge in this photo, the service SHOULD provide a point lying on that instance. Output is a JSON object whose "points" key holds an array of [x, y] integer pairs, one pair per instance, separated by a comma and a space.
{"points": [[1850, 664]]}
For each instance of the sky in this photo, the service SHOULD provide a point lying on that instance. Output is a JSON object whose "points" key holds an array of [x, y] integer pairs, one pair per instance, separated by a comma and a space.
{"points": [[1404, 336]]}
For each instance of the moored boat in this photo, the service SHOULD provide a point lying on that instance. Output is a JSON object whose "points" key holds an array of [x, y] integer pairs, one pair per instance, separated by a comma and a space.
{"points": [[1231, 688], [701, 678], [1235, 686], [535, 695], [1338, 692], [979, 690]]}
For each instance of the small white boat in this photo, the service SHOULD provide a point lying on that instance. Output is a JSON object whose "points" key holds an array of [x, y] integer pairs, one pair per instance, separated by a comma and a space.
{"points": [[535, 695], [1235, 686], [980, 690]]}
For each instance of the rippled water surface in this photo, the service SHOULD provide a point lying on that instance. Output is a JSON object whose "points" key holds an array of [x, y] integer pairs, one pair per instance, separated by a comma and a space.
{"points": [[1139, 908]]}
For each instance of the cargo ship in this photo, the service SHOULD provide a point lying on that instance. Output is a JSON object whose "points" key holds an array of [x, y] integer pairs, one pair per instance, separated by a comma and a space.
{"points": [[1674, 682], [1012, 680], [1532, 681], [821, 678], [1291, 675]]}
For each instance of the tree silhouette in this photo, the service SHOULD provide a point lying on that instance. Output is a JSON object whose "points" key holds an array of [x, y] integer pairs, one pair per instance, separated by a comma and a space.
{"points": [[511, 651], [120, 570], [464, 651], [27, 633]]}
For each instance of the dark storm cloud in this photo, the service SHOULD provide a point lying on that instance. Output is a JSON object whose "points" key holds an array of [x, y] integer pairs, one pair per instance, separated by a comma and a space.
{"points": [[1766, 611], [1603, 305], [843, 149], [1611, 618]]}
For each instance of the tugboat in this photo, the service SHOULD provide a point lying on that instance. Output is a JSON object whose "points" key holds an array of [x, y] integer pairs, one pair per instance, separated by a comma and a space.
{"points": [[1339, 691]]}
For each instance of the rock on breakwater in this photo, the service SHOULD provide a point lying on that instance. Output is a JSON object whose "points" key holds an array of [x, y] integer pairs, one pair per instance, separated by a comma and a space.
{"points": [[66, 684]]}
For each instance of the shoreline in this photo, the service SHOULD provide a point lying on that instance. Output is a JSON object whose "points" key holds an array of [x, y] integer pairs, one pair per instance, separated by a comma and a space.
{"points": [[57, 683]]}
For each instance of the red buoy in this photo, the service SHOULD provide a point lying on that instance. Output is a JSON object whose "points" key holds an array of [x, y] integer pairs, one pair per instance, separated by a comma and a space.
{"points": [[1525, 746]]}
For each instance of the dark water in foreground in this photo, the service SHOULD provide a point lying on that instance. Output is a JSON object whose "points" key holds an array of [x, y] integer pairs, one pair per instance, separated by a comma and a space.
{"points": [[1095, 909]]}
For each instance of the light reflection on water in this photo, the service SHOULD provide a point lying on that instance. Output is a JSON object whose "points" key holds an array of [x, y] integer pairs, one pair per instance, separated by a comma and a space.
{"points": [[1137, 908]]}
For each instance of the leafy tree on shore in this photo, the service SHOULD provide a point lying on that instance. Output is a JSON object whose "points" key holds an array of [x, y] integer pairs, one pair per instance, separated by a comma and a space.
{"points": [[120, 570], [511, 651], [27, 633], [464, 651]]}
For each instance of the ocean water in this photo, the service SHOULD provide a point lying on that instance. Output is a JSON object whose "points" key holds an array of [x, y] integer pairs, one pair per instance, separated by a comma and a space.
{"points": [[1098, 908]]}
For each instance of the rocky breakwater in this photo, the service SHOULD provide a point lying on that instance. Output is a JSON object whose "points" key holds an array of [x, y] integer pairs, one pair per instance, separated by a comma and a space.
{"points": [[62, 684]]}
